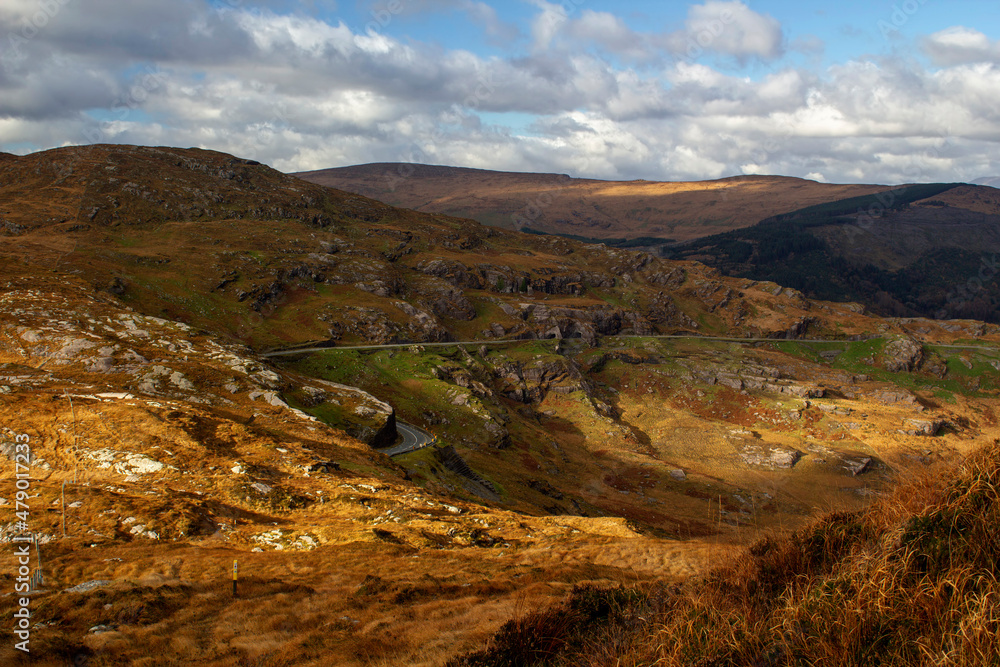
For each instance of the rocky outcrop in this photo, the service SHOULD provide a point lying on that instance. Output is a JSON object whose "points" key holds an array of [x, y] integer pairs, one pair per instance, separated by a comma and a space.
{"points": [[372, 421], [586, 323], [425, 326], [770, 456], [506, 280], [450, 302], [752, 377], [928, 427], [902, 355], [664, 312], [387, 435], [897, 397], [799, 329], [672, 279]]}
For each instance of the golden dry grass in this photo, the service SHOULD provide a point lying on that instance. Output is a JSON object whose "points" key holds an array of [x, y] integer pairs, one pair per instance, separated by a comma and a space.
{"points": [[911, 581], [372, 569]]}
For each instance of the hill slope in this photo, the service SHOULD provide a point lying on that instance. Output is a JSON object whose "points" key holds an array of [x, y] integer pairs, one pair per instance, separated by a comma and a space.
{"points": [[559, 204], [242, 250], [911, 581], [924, 250], [138, 287]]}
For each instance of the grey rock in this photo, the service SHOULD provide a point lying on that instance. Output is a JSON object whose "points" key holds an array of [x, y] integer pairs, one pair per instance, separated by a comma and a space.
{"points": [[770, 457], [902, 355], [859, 467], [929, 427], [88, 586]]}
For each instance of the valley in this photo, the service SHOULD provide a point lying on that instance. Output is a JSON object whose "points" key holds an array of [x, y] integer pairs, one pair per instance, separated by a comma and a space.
{"points": [[597, 415]]}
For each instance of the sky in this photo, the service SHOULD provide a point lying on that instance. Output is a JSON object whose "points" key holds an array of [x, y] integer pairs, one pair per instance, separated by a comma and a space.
{"points": [[852, 91]]}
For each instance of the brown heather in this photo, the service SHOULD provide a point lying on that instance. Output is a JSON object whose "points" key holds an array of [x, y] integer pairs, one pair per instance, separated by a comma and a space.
{"points": [[910, 581], [138, 287]]}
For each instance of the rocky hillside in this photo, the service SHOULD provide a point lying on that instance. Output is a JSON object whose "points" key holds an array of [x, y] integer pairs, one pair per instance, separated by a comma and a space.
{"points": [[159, 455], [140, 288], [244, 251]]}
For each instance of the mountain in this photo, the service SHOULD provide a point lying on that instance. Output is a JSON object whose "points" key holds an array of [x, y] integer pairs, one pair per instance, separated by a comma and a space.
{"points": [[924, 250], [590, 414], [993, 182], [919, 257], [235, 247], [558, 204]]}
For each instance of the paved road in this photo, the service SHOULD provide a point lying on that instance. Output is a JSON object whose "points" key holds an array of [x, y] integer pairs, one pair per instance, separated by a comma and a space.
{"points": [[490, 343], [414, 438], [301, 350]]}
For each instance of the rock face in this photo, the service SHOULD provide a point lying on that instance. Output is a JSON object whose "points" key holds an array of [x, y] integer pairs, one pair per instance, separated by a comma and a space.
{"points": [[770, 456], [858, 467], [587, 323], [449, 302], [752, 377], [505, 280], [902, 355], [385, 436], [929, 427], [897, 397]]}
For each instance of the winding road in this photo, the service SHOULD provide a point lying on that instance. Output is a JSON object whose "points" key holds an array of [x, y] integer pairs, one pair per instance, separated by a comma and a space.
{"points": [[490, 343], [414, 438], [302, 350]]}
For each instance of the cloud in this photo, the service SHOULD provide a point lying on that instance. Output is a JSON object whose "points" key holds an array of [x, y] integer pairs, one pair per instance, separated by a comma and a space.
{"points": [[728, 28], [612, 34], [809, 45], [959, 45], [601, 99], [732, 28], [551, 19], [480, 13]]}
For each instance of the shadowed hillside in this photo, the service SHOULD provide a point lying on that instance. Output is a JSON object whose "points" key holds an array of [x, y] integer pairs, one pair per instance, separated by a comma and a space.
{"points": [[924, 250]]}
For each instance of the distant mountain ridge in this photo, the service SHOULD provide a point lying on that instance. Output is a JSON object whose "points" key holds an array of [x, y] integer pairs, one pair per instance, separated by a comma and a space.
{"points": [[920, 250], [560, 204]]}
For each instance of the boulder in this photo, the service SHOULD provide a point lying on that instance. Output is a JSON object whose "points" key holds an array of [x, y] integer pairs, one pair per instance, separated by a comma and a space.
{"points": [[770, 456], [929, 427], [902, 355]]}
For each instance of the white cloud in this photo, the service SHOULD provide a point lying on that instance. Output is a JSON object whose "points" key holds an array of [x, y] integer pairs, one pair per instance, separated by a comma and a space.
{"points": [[612, 34], [546, 26], [728, 28], [734, 29], [959, 45], [299, 92]]}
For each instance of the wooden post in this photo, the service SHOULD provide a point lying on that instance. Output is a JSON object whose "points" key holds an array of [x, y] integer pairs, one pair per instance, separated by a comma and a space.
{"points": [[38, 559], [235, 570], [76, 437]]}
